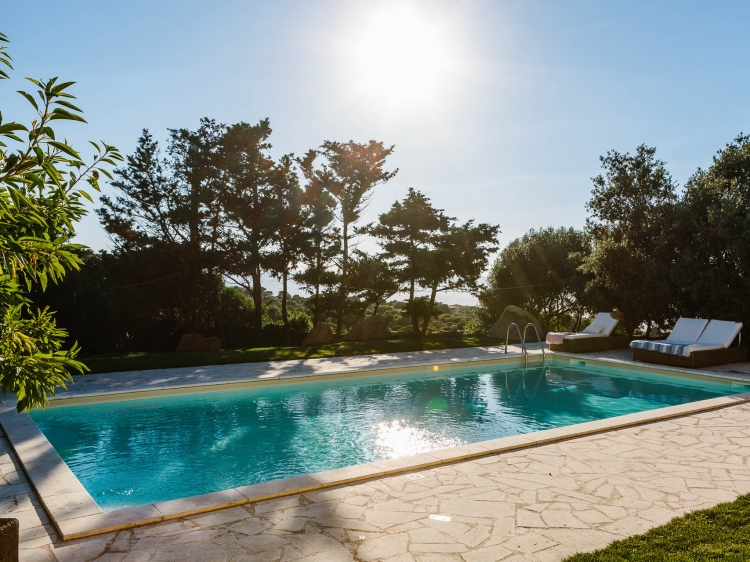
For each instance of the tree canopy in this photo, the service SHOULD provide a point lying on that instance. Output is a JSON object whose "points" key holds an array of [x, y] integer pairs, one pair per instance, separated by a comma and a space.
{"points": [[540, 272], [41, 198]]}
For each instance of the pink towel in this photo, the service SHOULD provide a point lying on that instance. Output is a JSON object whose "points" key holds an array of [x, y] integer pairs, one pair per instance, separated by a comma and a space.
{"points": [[557, 337]]}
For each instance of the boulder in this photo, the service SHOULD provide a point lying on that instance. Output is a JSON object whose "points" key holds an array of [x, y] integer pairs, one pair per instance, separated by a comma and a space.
{"points": [[196, 342], [371, 328], [518, 315], [321, 333]]}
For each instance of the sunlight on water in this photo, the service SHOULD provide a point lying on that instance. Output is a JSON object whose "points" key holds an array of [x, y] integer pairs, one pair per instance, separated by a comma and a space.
{"points": [[396, 439]]}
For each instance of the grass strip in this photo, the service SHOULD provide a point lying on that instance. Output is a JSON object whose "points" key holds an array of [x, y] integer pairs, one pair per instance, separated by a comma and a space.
{"points": [[719, 533], [144, 361]]}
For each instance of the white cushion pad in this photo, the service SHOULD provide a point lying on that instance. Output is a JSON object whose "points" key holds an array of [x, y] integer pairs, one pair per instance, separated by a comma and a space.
{"points": [[720, 332], [687, 330], [605, 320]]}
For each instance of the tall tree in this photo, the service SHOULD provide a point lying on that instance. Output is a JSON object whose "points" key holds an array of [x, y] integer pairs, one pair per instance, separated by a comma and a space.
{"points": [[630, 204], [287, 220], [170, 206], [709, 235], [407, 232], [41, 199], [373, 279], [540, 272], [459, 257], [246, 201], [349, 174], [322, 238]]}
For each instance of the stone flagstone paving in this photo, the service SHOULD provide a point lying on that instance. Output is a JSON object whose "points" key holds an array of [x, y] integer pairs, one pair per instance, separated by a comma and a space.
{"points": [[538, 504]]}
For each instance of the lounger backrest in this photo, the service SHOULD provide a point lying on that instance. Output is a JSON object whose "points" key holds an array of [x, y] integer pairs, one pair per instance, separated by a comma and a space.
{"points": [[603, 320], [720, 332], [687, 330]]}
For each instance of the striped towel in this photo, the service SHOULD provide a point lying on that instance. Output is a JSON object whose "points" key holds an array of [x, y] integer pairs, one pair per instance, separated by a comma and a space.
{"points": [[663, 346]]}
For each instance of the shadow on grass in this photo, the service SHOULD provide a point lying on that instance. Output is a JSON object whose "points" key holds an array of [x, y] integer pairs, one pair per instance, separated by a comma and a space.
{"points": [[170, 360]]}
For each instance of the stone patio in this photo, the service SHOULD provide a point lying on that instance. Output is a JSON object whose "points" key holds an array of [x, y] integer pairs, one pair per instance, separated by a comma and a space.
{"points": [[536, 504]]}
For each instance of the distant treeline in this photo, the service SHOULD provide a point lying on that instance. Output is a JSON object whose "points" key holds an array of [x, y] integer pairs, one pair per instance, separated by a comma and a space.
{"points": [[650, 249], [197, 227]]}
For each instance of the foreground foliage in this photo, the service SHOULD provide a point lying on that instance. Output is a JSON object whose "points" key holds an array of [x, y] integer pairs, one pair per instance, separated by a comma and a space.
{"points": [[141, 361], [719, 533], [40, 201]]}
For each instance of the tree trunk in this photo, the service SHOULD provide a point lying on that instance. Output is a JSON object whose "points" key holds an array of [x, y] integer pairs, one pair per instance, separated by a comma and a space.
{"points": [[428, 314], [219, 323], [316, 304], [258, 303], [344, 276], [414, 318], [318, 265], [284, 315]]}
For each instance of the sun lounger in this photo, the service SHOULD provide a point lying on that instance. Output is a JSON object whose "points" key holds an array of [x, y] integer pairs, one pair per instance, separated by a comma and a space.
{"points": [[693, 343], [597, 336]]}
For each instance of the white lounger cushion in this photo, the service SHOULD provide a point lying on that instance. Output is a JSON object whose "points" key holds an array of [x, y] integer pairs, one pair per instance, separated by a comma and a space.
{"points": [[720, 332], [687, 330], [605, 321]]}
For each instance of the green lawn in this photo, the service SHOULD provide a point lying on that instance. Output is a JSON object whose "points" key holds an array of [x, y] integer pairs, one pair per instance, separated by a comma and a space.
{"points": [[720, 533], [141, 361]]}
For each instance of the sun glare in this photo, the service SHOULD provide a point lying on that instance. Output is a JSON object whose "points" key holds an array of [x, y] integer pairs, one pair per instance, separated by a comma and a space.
{"points": [[400, 56]]}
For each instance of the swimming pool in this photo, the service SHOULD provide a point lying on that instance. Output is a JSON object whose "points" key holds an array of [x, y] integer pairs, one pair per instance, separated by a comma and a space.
{"points": [[134, 452]]}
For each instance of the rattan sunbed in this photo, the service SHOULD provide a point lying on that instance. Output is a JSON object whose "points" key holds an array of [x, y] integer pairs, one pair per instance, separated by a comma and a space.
{"points": [[694, 343], [584, 345], [696, 360], [595, 337]]}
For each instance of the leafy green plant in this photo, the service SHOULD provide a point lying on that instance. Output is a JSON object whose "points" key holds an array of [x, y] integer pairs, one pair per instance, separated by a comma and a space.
{"points": [[40, 201]]}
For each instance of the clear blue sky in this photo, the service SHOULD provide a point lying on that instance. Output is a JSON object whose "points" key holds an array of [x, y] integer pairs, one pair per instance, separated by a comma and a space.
{"points": [[498, 110]]}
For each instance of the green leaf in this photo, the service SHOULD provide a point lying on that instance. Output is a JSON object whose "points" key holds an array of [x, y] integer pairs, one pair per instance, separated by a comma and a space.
{"points": [[10, 127], [39, 155], [59, 113], [96, 146], [49, 132], [30, 99], [60, 87], [86, 195], [52, 172], [10, 162], [36, 180], [68, 105], [4, 75], [64, 148]]}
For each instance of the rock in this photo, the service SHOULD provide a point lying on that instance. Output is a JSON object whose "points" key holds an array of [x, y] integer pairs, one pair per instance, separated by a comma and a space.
{"points": [[518, 315], [196, 342], [371, 328], [321, 333]]}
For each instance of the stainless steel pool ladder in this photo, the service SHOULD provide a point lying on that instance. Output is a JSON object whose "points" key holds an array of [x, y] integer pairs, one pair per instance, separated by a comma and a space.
{"points": [[523, 341]]}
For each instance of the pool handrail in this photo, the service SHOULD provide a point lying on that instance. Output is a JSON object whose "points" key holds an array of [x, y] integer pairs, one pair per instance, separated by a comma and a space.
{"points": [[507, 335]]}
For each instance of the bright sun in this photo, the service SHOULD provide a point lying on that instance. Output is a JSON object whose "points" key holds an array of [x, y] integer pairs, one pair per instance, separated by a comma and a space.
{"points": [[399, 56]]}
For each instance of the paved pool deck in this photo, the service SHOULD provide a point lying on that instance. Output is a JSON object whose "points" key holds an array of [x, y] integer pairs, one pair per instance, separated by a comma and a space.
{"points": [[539, 503]]}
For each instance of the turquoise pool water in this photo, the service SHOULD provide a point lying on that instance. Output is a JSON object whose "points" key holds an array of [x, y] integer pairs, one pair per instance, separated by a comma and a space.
{"points": [[135, 452]]}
